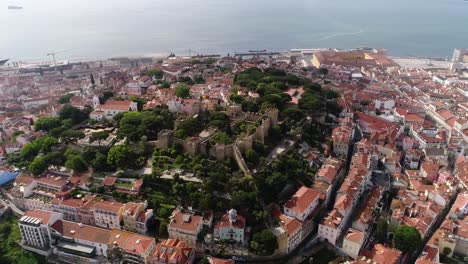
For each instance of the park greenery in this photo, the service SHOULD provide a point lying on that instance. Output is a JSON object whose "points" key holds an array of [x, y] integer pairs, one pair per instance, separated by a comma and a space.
{"points": [[134, 125], [182, 90], [407, 238], [10, 250], [65, 98], [271, 85], [158, 74], [264, 243]]}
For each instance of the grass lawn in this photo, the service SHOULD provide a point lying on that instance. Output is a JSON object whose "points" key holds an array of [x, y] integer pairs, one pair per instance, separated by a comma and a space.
{"points": [[10, 251]]}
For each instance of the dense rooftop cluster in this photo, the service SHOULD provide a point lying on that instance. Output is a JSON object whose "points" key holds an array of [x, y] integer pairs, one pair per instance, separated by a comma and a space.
{"points": [[161, 161]]}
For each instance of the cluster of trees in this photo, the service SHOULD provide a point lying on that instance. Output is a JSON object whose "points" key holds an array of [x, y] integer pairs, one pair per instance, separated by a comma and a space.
{"points": [[191, 81], [10, 251], [316, 98], [221, 121], [182, 90], [271, 180], [264, 242], [158, 74], [68, 117], [407, 238], [221, 138], [189, 127], [75, 161], [134, 125], [252, 77], [65, 98], [269, 84]]}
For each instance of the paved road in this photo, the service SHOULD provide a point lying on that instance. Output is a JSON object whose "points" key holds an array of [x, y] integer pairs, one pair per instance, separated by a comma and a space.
{"points": [[8, 203]]}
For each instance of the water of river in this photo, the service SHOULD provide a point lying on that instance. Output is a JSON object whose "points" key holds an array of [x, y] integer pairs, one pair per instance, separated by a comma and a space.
{"points": [[105, 28]]}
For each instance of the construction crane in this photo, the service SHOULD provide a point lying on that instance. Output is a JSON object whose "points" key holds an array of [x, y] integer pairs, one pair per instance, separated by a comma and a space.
{"points": [[53, 53], [190, 52]]}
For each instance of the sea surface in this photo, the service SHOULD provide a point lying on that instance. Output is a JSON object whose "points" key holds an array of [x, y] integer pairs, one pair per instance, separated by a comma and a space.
{"points": [[86, 29]]}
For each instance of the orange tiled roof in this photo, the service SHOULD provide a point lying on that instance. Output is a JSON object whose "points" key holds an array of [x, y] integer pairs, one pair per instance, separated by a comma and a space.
{"points": [[302, 199]]}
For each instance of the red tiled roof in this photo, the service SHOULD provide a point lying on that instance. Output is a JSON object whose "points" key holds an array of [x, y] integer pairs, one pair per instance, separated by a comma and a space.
{"points": [[83, 232], [355, 236], [172, 251], [224, 222], [131, 242], [108, 206], [290, 224], [191, 225], [214, 260], [44, 216], [384, 255], [109, 181], [115, 105], [302, 199]]}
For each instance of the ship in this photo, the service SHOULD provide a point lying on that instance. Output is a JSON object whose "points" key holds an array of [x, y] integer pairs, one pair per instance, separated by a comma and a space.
{"points": [[3, 61], [14, 7]]}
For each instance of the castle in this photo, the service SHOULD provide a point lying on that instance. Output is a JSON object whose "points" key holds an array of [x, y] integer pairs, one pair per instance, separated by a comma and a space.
{"points": [[201, 143]]}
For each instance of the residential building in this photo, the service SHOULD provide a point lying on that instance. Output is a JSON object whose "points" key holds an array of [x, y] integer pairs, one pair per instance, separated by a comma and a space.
{"points": [[329, 228], [342, 137], [382, 254], [108, 214], [302, 203], [133, 248], [78, 243], [136, 217], [185, 226], [111, 108], [35, 232], [352, 243], [172, 251], [288, 233]]}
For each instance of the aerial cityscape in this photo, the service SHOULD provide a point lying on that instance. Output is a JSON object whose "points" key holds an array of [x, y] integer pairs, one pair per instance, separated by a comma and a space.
{"points": [[281, 154]]}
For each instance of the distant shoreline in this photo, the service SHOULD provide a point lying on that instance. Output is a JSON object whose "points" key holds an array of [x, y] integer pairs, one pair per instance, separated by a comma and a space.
{"points": [[165, 55]]}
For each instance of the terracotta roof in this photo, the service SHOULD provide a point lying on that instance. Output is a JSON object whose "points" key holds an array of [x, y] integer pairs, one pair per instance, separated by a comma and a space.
{"points": [[108, 206], [56, 181], [109, 181], [137, 184], [290, 224], [186, 222], [115, 105], [172, 251], [302, 199], [214, 260], [131, 242], [24, 179], [462, 229], [82, 232], [44, 216], [355, 236], [343, 202], [131, 208], [384, 255], [224, 222]]}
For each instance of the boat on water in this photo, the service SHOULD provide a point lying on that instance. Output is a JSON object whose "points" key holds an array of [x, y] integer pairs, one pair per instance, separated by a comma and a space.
{"points": [[3, 61], [15, 7], [257, 51]]}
